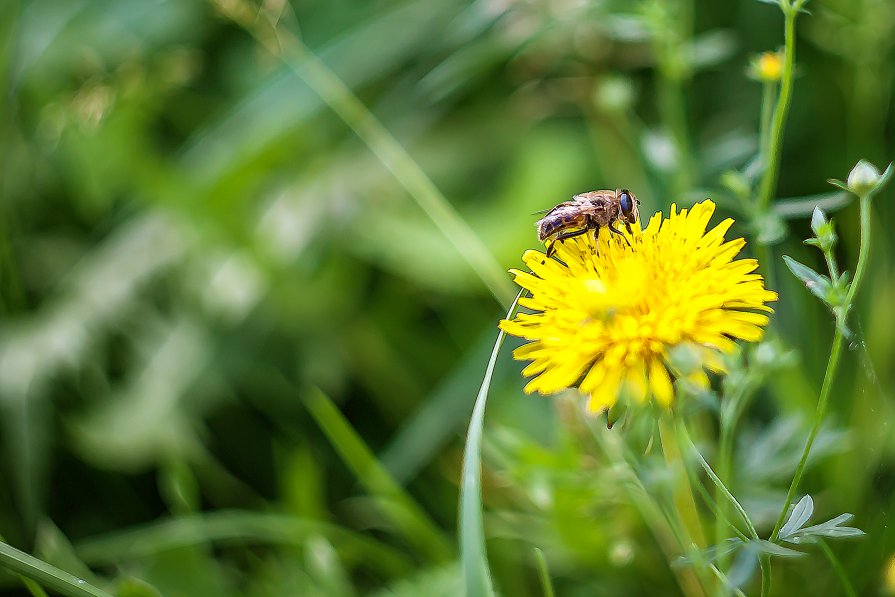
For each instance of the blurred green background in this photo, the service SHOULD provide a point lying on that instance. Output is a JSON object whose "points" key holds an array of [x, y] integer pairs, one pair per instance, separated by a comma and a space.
{"points": [[191, 241]]}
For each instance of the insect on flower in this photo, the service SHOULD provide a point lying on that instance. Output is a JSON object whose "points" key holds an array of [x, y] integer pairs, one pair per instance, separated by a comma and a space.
{"points": [[588, 211], [606, 318]]}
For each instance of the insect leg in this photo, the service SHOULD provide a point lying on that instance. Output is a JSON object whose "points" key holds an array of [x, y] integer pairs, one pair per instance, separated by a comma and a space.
{"points": [[615, 230], [552, 248]]}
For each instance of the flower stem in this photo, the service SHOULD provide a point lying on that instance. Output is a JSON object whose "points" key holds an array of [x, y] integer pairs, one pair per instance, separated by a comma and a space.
{"points": [[833, 363], [863, 254], [832, 366], [775, 140], [684, 439], [682, 493], [670, 533], [767, 110]]}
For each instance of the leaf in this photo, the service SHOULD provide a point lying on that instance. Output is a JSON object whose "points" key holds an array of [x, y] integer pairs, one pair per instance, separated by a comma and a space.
{"points": [[49, 576], [762, 546], [544, 573], [799, 516], [473, 556], [829, 528], [407, 515], [710, 554], [838, 183], [819, 285]]}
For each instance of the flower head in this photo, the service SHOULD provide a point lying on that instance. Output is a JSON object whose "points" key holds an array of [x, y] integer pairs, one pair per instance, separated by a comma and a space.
{"points": [[767, 67], [606, 317]]}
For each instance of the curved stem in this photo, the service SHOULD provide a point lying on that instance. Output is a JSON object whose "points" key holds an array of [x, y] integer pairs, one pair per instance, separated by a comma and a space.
{"points": [[863, 254], [833, 363], [775, 141], [684, 439]]}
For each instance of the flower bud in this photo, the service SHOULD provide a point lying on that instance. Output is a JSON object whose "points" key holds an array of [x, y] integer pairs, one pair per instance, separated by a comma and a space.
{"points": [[824, 233], [863, 178]]}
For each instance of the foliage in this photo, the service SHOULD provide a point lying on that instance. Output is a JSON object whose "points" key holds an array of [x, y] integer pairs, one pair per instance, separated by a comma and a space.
{"points": [[250, 275]]}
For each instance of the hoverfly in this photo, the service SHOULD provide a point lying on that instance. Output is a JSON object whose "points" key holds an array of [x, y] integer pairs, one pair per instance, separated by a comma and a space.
{"points": [[588, 211]]}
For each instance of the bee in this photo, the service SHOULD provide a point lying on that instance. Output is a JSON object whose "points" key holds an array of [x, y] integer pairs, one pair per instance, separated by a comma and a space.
{"points": [[588, 211]]}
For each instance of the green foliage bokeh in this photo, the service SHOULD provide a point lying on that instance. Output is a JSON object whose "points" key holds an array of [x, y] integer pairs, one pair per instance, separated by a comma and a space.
{"points": [[198, 259]]}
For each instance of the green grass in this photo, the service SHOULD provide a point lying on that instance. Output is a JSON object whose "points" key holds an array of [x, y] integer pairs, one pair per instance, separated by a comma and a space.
{"points": [[249, 260]]}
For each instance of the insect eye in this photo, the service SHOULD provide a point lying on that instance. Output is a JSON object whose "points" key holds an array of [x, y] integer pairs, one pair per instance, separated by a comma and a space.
{"points": [[626, 202]]}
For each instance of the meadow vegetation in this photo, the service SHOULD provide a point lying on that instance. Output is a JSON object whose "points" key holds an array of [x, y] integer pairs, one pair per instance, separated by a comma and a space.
{"points": [[254, 254]]}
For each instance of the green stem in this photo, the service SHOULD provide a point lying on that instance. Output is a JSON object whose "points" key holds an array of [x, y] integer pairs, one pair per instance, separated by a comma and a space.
{"points": [[863, 253], [767, 110], [685, 441], [682, 492], [832, 366], [831, 265], [765, 255], [725, 581], [669, 533], [671, 107], [833, 363], [847, 587], [781, 111], [730, 416]]}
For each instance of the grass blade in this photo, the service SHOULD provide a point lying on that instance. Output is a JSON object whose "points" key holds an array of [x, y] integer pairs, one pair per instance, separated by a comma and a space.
{"points": [[473, 557], [405, 513], [58, 580], [236, 527], [544, 573]]}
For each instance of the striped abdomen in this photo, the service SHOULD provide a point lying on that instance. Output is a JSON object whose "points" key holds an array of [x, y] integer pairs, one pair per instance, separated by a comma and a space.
{"points": [[560, 220]]}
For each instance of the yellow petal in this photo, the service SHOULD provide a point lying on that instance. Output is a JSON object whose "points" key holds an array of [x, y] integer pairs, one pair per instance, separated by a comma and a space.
{"points": [[660, 382]]}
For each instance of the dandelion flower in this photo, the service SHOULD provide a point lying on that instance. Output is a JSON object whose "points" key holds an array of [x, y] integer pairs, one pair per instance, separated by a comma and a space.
{"points": [[606, 316]]}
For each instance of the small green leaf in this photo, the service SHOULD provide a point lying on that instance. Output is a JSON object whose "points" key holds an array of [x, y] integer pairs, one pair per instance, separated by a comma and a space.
{"points": [[819, 285], [762, 546], [710, 554], [839, 184], [829, 528], [801, 512]]}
